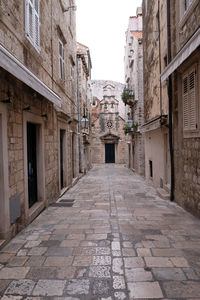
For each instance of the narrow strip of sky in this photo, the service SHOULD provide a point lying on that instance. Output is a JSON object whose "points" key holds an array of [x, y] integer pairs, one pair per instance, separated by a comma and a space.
{"points": [[101, 25]]}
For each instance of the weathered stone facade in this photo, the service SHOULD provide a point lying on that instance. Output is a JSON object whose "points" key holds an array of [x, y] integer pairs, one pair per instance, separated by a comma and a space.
{"points": [[97, 91], [107, 135], [134, 81], [185, 75], [155, 129], [37, 108], [84, 99]]}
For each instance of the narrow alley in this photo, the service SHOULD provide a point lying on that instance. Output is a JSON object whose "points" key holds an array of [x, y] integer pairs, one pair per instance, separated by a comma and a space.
{"points": [[119, 240]]}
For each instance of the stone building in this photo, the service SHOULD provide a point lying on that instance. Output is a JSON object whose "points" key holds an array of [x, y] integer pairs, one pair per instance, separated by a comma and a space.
{"points": [[38, 108], [107, 135], [156, 121], [84, 100], [133, 61], [183, 76]]}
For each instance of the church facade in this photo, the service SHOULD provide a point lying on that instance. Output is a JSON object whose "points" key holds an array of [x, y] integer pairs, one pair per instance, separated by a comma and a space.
{"points": [[107, 123]]}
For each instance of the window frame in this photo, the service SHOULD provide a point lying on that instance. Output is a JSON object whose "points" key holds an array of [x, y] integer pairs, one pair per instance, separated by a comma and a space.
{"points": [[34, 36], [72, 79], [61, 60], [187, 4]]}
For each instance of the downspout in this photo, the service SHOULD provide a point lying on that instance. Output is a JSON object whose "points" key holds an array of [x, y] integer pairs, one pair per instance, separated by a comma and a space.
{"points": [[170, 102], [79, 120], [52, 43], [159, 58]]}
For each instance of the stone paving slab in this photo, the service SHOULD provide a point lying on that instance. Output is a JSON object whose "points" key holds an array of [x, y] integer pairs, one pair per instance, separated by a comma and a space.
{"points": [[119, 241]]}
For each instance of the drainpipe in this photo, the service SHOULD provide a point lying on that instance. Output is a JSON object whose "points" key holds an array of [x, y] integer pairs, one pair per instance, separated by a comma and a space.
{"points": [[170, 102], [159, 58], [78, 106], [52, 43]]}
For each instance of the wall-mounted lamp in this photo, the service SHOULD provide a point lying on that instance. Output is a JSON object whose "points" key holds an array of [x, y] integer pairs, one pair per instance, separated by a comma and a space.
{"points": [[84, 123]]}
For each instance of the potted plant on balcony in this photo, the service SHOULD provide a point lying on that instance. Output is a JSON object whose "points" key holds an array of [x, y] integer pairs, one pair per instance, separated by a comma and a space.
{"points": [[134, 127], [127, 96], [126, 128]]}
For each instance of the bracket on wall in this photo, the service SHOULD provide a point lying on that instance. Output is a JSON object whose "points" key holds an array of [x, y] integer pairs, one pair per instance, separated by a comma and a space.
{"points": [[73, 7], [7, 100]]}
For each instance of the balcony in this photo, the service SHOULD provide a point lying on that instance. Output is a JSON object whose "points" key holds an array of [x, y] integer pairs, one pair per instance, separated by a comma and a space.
{"points": [[130, 126], [128, 96]]}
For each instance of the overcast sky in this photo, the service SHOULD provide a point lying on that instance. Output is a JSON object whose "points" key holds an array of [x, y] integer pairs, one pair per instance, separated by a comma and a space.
{"points": [[101, 25]]}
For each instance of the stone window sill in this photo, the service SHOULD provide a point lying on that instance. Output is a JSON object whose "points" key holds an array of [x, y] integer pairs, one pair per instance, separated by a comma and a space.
{"points": [[191, 134]]}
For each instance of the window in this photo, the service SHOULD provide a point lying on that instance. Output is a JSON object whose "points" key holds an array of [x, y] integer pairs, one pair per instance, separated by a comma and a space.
{"points": [[72, 79], [165, 60], [105, 105], [32, 22], [187, 3], [112, 105], [151, 168], [61, 60], [189, 88]]}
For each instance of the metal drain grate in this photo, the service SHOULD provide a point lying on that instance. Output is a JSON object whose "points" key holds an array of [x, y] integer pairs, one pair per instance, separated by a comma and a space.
{"points": [[64, 203]]}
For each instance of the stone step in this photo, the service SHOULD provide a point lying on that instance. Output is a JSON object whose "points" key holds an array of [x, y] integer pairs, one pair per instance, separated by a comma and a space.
{"points": [[163, 194]]}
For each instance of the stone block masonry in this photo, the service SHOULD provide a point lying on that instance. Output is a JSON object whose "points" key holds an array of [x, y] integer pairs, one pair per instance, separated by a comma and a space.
{"points": [[118, 241]]}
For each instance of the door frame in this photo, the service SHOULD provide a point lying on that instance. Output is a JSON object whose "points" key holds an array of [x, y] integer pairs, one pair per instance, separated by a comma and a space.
{"points": [[4, 184], [32, 130], [31, 212], [64, 127], [113, 149]]}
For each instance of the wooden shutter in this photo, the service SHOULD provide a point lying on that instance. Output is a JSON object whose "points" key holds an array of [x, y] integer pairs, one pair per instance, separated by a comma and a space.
{"points": [[192, 100], [189, 101], [185, 104]]}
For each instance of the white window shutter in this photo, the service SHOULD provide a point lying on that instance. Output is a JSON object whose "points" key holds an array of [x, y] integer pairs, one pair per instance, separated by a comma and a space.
{"points": [[61, 60], [32, 22], [37, 31], [192, 100], [29, 18], [185, 104], [37, 23]]}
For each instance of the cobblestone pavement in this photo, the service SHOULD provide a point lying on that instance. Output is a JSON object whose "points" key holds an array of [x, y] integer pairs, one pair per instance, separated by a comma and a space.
{"points": [[118, 241]]}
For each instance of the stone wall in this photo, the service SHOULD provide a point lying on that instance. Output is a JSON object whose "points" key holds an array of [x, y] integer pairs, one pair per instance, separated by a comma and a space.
{"points": [[188, 22], [27, 105], [22, 99], [191, 174], [186, 145], [155, 59]]}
